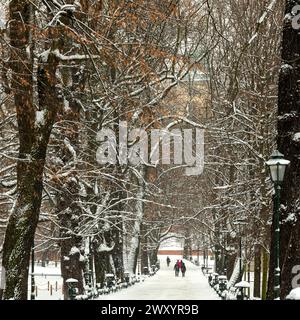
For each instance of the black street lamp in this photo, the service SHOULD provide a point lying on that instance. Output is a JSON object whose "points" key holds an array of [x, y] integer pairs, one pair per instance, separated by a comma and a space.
{"points": [[277, 165]]}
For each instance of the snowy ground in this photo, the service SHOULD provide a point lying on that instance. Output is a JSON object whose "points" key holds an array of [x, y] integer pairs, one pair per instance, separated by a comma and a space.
{"points": [[48, 283], [164, 286]]}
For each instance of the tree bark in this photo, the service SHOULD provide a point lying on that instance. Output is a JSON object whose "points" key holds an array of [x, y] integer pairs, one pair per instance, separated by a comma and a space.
{"points": [[68, 209], [265, 263], [231, 258], [257, 271], [33, 141], [144, 248], [135, 240], [102, 265], [289, 144]]}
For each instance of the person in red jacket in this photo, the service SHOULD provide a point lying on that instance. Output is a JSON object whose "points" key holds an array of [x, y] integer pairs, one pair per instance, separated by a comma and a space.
{"points": [[179, 264]]}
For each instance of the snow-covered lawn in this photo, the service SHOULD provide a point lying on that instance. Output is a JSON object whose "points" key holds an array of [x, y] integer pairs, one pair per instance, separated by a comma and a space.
{"points": [[165, 286]]}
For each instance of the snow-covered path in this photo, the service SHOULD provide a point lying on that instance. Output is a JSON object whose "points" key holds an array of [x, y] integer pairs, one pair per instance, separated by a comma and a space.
{"points": [[164, 286]]}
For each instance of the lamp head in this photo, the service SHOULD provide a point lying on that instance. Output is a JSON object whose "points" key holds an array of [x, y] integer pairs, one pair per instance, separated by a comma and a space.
{"points": [[277, 165]]}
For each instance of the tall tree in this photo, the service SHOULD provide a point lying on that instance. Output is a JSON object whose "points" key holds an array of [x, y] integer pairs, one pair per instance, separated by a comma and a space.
{"points": [[288, 142], [34, 128]]}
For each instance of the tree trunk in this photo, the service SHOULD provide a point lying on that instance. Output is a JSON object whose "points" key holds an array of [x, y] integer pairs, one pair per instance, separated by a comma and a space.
{"points": [[153, 255], [144, 248], [33, 140], [257, 271], [70, 243], [218, 259], [231, 258], [102, 265], [265, 263], [289, 144], [117, 252], [68, 209], [135, 241], [117, 228]]}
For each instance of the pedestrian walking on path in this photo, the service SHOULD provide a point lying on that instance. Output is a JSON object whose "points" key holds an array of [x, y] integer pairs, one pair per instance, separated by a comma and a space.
{"points": [[183, 269], [179, 264], [163, 286], [176, 268], [168, 261]]}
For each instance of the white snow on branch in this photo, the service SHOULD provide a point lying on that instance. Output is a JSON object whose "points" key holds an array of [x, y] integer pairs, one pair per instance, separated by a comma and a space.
{"points": [[82, 191], [262, 19], [292, 218], [297, 137], [286, 67], [63, 10], [253, 38], [68, 7], [268, 9], [40, 118], [96, 189], [63, 57], [44, 56], [105, 248], [74, 250], [9, 184], [287, 116], [70, 148], [24, 209]]}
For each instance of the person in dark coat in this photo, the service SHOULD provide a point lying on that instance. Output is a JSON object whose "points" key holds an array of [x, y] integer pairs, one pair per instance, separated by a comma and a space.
{"points": [[176, 268], [168, 261], [183, 269]]}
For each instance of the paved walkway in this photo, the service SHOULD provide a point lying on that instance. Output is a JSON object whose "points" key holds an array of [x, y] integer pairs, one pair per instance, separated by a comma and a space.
{"points": [[165, 286]]}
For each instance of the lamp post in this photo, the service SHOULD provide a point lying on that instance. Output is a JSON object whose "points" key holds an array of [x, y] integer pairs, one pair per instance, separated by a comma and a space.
{"points": [[277, 165]]}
